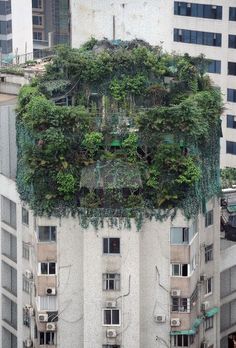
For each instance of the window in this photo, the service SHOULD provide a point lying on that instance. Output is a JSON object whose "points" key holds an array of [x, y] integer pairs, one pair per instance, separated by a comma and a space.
{"points": [[209, 253], [231, 95], [110, 346], [9, 278], [179, 270], [37, 4], [209, 323], [111, 317], [5, 7], [25, 251], [9, 338], [183, 340], [231, 121], [180, 304], [197, 10], [8, 211], [38, 20], [47, 233], [25, 216], [231, 147], [193, 264], [111, 245], [38, 35], [111, 281], [232, 13], [9, 248], [47, 303], [6, 46], [179, 235], [232, 68], [9, 311], [232, 41], [193, 298], [208, 286], [5, 27], [48, 268], [47, 338], [214, 66], [197, 37], [209, 218], [26, 285]]}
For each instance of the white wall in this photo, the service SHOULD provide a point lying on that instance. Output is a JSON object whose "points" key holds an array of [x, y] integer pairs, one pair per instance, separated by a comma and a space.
{"points": [[149, 20], [22, 32]]}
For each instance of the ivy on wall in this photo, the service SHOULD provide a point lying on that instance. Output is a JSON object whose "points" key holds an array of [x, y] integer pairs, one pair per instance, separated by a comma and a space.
{"points": [[139, 139]]}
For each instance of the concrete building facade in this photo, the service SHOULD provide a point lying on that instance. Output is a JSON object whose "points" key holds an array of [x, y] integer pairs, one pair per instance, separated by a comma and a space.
{"points": [[15, 33], [195, 27]]}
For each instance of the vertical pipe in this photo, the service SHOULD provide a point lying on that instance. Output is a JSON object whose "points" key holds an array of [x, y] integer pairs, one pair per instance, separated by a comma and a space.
{"points": [[114, 28]]}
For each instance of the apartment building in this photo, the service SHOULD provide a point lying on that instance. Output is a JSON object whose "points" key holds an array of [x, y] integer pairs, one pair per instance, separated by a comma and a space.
{"points": [[16, 34], [110, 287], [107, 288], [51, 24], [174, 25]]}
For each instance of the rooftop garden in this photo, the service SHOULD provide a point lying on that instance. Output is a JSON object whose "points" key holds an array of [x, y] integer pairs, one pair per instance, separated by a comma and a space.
{"points": [[119, 130]]}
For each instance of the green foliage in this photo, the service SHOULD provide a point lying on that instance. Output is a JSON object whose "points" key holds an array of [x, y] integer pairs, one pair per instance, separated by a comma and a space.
{"points": [[12, 71], [66, 184], [141, 140], [92, 141], [228, 177]]}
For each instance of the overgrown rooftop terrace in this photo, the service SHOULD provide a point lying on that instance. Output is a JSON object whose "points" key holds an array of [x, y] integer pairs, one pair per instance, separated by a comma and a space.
{"points": [[140, 137]]}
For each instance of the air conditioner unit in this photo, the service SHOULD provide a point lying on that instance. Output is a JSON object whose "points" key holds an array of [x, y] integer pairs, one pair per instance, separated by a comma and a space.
{"points": [[111, 333], [51, 291], [51, 327], [205, 305], [111, 304], [43, 317], [28, 274], [27, 307], [175, 322], [203, 277], [175, 292], [188, 5], [204, 344], [159, 318], [28, 343]]}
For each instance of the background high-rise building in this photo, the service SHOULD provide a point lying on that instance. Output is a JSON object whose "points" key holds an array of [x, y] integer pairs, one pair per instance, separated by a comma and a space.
{"points": [[195, 27], [51, 24], [15, 28]]}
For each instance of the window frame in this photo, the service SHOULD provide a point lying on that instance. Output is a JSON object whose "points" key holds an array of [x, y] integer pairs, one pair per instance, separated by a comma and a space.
{"points": [[209, 323], [181, 271], [182, 304], [25, 216], [40, 20], [25, 284], [47, 263], [209, 285], [209, 218], [52, 231], [47, 302], [107, 280], [209, 253], [110, 310], [45, 334], [178, 340], [107, 245]]}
